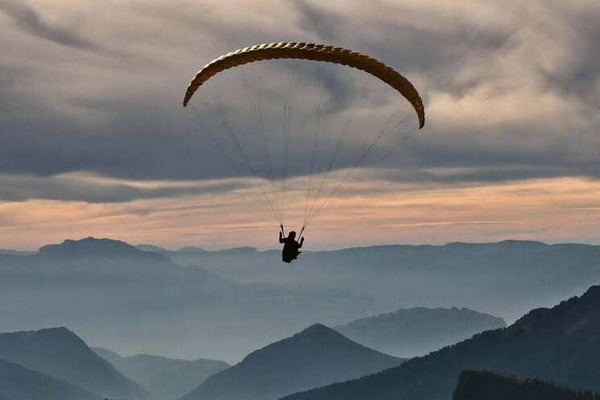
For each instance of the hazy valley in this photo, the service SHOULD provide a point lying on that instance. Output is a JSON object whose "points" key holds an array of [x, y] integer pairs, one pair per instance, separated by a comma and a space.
{"points": [[164, 321]]}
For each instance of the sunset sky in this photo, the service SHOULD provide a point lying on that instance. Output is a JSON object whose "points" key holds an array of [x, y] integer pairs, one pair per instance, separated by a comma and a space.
{"points": [[94, 140]]}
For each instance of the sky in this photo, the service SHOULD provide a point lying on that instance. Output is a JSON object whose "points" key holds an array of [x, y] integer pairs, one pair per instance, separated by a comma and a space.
{"points": [[94, 140]]}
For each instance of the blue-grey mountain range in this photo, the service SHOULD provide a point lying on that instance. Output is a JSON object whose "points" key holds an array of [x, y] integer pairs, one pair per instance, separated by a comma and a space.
{"points": [[224, 304], [61, 354], [132, 301], [559, 344], [166, 378], [20, 383], [416, 331], [506, 279], [314, 357]]}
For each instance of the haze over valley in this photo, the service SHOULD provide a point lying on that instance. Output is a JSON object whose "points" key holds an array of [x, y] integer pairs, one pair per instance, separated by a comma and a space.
{"points": [[136, 301]]}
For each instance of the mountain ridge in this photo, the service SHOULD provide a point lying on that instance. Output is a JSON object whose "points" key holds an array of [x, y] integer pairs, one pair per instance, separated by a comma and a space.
{"points": [[561, 343], [410, 332], [60, 353], [20, 383], [491, 385], [307, 359], [94, 247], [166, 378]]}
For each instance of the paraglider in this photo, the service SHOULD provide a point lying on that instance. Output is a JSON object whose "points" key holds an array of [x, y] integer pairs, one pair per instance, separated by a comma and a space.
{"points": [[291, 247], [316, 197]]}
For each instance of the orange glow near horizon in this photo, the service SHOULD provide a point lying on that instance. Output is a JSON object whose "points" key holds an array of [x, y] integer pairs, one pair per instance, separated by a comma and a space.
{"points": [[550, 210]]}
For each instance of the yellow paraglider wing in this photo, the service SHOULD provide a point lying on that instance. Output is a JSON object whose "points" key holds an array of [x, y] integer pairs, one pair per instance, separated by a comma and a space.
{"points": [[315, 52]]}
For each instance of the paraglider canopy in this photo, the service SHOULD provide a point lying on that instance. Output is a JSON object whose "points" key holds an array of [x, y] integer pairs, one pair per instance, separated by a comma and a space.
{"points": [[320, 162], [315, 52]]}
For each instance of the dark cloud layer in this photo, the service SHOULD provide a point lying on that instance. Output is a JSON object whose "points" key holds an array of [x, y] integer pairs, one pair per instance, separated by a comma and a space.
{"points": [[123, 118], [93, 190]]}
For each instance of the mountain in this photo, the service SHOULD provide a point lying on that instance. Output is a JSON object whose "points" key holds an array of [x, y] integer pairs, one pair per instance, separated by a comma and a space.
{"points": [[59, 353], [153, 249], [92, 247], [20, 383], [122, 298], [16, 252], [416, 331], [191, 251], [506, 278], [165, 378], [93, 260], [477, 385], [506, 246], [137, 301], [316, 356], [561, 344]]}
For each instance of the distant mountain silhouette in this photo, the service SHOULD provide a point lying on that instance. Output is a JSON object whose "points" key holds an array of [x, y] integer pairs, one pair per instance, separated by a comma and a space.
{"points": [[153, 248], [92, 261], [16, 252], [20, 383], [561, 344], [165, 378], [506, 246], [506, 278], [311, 358], [92, 247], [486, 385], [119, 296], [59, 353], [100, 259], [416, 331], [191, 250]]}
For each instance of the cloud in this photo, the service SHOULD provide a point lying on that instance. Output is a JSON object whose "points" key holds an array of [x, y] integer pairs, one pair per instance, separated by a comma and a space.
{"points": [[97, 189], [27, 19], [511, 90], [318, 20]]}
